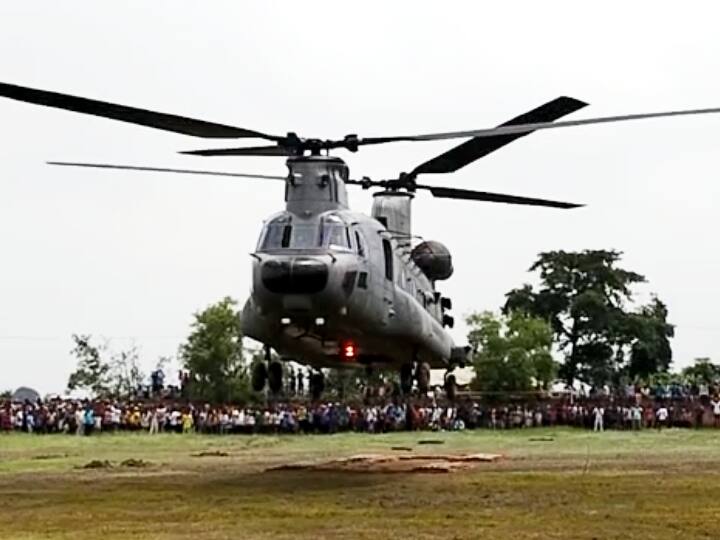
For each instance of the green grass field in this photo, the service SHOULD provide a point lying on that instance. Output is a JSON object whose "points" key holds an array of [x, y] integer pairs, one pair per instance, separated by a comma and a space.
{"points": [[578, 485]]}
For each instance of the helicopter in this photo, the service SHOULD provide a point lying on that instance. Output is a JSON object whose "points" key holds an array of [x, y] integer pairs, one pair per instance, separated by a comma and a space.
{"points": [[336, 288]]}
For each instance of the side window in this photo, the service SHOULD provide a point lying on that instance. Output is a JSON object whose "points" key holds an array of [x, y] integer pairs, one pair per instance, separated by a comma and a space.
{"points": [[387, 252], [287, 231], [359, 244]]}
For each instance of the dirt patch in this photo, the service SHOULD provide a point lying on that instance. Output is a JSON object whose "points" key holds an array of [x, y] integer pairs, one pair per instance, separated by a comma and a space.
{"points": [[97, 464], [393, 463], [431, 441], [211, 453], [135, 463], [49, 456]]}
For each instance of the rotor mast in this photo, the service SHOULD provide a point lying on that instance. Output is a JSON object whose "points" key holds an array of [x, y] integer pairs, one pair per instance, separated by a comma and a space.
{"points": [[315, 184]]}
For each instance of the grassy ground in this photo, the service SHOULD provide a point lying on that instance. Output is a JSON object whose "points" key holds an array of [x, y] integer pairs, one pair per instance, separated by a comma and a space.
{"points": [[578, 485]]}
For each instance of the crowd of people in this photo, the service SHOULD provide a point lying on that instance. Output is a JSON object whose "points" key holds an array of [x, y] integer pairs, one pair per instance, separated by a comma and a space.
{"points": [[85, 417]]}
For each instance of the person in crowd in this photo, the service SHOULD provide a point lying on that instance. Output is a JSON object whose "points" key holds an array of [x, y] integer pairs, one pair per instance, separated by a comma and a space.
{"points": [[88, 419], [598, 414], [661, 417], [715, 404]]}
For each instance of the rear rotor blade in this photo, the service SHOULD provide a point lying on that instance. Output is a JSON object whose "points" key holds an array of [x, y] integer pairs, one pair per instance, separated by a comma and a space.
{"points": [[478, 147], [465, 194], [251, 151], [143, 117], [528, 128], [164, 170]]}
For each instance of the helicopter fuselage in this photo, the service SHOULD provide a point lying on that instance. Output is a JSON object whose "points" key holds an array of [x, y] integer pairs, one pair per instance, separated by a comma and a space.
{"points": [[336, 288]]}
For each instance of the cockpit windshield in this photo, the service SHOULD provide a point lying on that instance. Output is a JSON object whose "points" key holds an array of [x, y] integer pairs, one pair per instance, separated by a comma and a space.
{"points": [[335, 234], [287, 236], [281, 233]]}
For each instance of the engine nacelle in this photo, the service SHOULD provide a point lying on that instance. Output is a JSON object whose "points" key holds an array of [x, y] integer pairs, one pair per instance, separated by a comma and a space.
{"points": [[434, 259]]}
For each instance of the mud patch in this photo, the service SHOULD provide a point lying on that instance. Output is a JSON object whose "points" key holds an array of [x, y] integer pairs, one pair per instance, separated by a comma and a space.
{"points": [[97, 464], [211, 453], [49, 456], [393, 463], [135, 463]]}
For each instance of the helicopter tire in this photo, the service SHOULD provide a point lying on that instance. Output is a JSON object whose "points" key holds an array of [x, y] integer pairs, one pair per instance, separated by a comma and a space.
{"points": [[450, 387], [275, 377], [259, 376], [317, 385], [422, 375], [406, 378]]}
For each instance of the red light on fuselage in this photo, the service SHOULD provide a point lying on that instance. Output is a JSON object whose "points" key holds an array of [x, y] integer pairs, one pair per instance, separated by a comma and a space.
{"points": [[348, 351]]}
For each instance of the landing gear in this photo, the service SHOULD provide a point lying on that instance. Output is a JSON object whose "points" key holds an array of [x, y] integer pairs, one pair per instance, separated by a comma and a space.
{"points": [[406, 378], [317, 385], [450, 386], [275, 377], [258, 376], [270, 372], [422, 376]]}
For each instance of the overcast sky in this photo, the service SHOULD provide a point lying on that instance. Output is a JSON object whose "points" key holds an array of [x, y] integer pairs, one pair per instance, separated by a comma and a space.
{"points": [[130, 256]]}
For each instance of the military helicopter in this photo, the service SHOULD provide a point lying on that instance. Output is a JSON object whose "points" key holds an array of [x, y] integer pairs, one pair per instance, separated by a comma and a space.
{"points": [[336, 288]]}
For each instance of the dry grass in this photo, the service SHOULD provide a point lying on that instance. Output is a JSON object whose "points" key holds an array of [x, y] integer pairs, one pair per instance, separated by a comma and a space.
{"points": [[577, 485]]}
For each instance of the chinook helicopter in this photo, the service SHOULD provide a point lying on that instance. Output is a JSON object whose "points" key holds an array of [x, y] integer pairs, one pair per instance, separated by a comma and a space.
{"points": [[336, 288]]}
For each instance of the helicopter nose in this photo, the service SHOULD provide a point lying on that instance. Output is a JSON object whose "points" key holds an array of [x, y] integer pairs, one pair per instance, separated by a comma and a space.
{"points": [[296, 276]]}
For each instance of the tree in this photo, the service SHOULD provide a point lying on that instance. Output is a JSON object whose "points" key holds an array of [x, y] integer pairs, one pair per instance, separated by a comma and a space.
{"points": [[91, 373], [124, 375], [6, 394], [703, 371], [512, 353], [584, 296], [213, 354], [650, 351]]}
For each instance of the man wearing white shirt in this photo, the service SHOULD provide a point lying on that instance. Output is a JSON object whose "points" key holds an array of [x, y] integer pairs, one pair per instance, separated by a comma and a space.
{"points": [[715, 404], [598, 413], [661, 416]]}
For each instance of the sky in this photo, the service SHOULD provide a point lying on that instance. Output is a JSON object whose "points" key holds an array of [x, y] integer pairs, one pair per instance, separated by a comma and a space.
{"points": [[129, 257]]}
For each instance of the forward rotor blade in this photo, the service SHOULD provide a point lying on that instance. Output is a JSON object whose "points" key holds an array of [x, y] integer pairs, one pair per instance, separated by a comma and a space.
{"points": [[164, 170], [251, 151], [528, 128], [143, 117], [478, 147], [453, 193]]}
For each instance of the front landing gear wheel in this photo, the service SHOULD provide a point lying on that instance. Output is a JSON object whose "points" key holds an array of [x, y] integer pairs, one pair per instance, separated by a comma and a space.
{"points": [[275, 377], [258, 376], [317, 385], [406, 379], [422, 376], [450, 387]]}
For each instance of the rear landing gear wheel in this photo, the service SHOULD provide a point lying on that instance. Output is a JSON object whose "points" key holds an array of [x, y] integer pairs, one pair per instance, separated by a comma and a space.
{"points": [[317, 385], [422, 375], [450, 387], [275, 377], [406, 379], [258, 376]]}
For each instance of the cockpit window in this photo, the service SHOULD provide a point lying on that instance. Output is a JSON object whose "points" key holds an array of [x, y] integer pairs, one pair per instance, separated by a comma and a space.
{"points": [[280, 233], [335, 234]]}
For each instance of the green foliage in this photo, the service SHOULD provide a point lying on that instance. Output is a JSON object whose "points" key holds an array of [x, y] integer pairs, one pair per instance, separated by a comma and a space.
{"points": [[703, 371], [213, 354], [119, 376], [6, 394], [92, 373], [344, 383], [584, 296], [124, 375], [512, 353]]}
